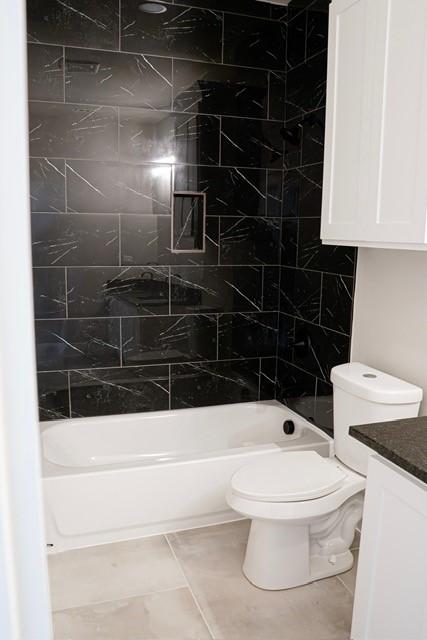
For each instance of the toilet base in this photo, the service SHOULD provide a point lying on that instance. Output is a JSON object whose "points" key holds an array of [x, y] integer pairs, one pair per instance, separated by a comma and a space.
{"points": [[281, 555]]}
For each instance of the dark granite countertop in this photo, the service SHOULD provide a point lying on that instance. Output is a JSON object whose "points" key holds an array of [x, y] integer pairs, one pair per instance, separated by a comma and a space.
{"points": [[403, 442]]}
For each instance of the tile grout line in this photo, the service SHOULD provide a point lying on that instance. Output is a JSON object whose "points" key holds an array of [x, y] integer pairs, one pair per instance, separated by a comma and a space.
{"points": [[199, 608]]}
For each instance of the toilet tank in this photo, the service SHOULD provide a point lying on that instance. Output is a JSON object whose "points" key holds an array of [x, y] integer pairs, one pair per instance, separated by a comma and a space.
{"points": [[363, 395]]}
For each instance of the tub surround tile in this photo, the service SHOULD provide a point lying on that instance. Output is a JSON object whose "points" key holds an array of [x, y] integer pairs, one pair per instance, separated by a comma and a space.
{"points": [[317, 27], [161, 137], [268, 378], [216, 289], [49, 293], [251, 143], [229, 191], [302, 192], [67, 240], [117, 391], [289, 243], [74, 23], [324, 409], [168, 339], [300, 293], [110, 572], [306, 87], [45, 72], [53, 395], [74, 131], [212, 558], [73, 344], [112, 187], [180, 32], [249, 241], [246, 7], [270, 291], [220, 89], [117, 291], [133, 80], [146, 240], [274, 193], [277, 95], [247, 335], [313, 137], [47, 185], [211, 383], [296, 35], [337, 302], [254, 42], [312, 254], [296, 389]]}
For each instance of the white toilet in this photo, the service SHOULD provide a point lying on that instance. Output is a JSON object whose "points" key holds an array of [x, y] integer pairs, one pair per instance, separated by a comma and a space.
{"points": [[305, 508]]}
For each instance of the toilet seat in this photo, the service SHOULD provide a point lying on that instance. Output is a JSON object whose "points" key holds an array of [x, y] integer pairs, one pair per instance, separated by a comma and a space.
{"points": [[288, 477]]}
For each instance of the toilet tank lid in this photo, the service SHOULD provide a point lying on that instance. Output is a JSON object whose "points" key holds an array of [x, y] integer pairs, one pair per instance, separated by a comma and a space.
{"points": [[376, 386]]}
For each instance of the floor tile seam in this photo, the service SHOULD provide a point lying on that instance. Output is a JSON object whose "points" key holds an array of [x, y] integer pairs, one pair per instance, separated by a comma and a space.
{"points": [[190, 588]]}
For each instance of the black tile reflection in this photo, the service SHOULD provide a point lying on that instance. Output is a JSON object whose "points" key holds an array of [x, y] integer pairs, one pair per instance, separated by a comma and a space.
{"points": [[313, 137], [73, 239], [158, 136], [296, 389], [306, 87], [296, 37], [229, 191], [289, 245], [293, 138], [146, 240], [112, 187], [254, 43], [286, 345], [74, 344], [268, 379], [323, 349], [216, 289], [196, 385], [300, 293], [220, 89], [117, 391], [302, 192], [53, 395], [103, 77], [270, 293], [324, 408], [249, 241], [247, 335], [49, 293], [251, 143], [47, 185], [274, 193], [312, 254], [317, 27], [337, 302], [45, 72], [277, 95], [117, 291], [180, 31], [169, 339], [74, 131], [74, 22]]}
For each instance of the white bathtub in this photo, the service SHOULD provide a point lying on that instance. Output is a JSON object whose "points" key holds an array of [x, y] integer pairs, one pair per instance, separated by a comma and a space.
{"points": [[120, 477]]}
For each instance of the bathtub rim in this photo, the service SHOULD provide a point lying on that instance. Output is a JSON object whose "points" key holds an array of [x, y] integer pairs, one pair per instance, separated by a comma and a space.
{"points": [[51, 469]]}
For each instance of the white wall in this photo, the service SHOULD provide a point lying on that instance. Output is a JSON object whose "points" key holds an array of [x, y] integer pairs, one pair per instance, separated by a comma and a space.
{"points": [[390, 314]]}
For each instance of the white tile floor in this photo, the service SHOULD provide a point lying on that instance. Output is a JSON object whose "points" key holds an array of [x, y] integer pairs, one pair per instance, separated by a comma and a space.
{"points": [[187, 586]]}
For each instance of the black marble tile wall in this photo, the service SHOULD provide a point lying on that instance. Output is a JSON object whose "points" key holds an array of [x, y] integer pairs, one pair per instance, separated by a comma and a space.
{"points": [[125, 109], [316, 281], [221, 98]]}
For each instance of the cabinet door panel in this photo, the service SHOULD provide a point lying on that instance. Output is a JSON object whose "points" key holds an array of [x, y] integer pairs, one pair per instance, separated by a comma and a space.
{"points": [[346, 141], [391, 587], [398, 213]]}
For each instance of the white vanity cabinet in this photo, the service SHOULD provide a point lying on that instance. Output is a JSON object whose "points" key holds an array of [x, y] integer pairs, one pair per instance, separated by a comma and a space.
{"points": [[391, 588], [375, 175]]}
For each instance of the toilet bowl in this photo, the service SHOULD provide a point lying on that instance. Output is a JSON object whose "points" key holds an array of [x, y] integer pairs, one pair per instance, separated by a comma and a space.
{"points": [[305, 508]]}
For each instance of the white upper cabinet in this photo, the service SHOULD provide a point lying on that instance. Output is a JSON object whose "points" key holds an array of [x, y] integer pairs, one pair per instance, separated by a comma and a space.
{"points": [[375, 176]]}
